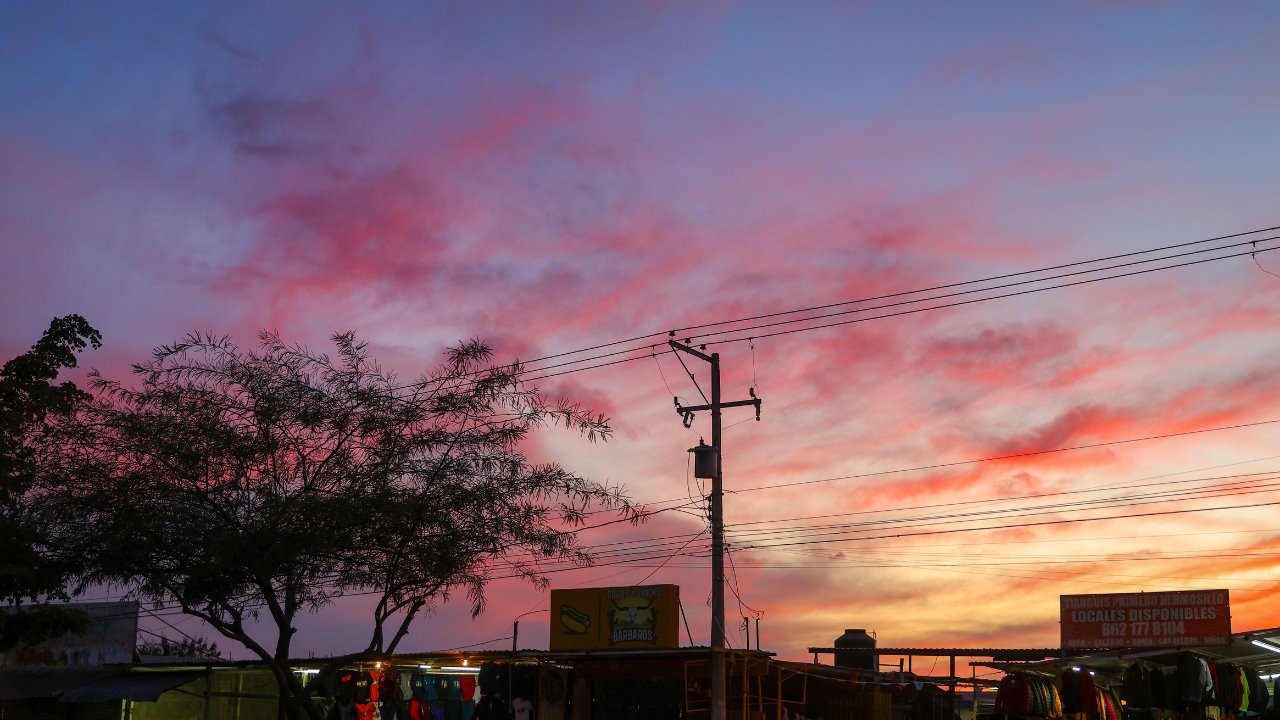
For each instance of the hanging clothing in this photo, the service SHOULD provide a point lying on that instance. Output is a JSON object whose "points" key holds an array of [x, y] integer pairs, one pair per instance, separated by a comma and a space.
{"points": [[1157, 683], [1209, 677], [1106, 707], [1191, 678], [1211, 690], [362, 687], [342, 709], [1243, 691], [1013, 696], [1258, 696], [418, 686], [389, 694], [493, 678], [491, 708], [1077, 691], [469, 695], [1135, 689]]}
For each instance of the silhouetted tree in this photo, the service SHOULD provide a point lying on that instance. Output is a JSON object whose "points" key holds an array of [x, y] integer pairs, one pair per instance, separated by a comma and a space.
{"points": [[29, 576], [237, 484], [189, 647]]}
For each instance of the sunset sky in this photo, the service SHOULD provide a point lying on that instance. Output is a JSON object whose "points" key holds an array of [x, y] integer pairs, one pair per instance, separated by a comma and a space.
{"points": [[556, 176]]}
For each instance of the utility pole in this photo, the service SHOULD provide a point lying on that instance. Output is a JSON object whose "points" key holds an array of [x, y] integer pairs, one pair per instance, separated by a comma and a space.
{"points": [[515, 628], [718, 684]]}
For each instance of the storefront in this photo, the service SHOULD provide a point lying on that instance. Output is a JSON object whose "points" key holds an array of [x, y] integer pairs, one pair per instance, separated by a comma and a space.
{"points": [[586, 685], [1215, 681]]}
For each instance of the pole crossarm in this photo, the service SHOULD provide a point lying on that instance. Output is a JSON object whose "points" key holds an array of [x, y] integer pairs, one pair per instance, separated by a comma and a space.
{"points": [[682, 409], [685, 348]]}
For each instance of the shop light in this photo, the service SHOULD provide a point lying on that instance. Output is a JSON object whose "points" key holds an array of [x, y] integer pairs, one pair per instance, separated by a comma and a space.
{"points": [[425, 667], [1266, 646], [460, 668], [309, 671]]}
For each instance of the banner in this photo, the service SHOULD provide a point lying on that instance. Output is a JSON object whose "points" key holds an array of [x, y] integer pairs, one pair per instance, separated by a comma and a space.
{"points": [[110, 639], [646, 616], [1186, 618]]}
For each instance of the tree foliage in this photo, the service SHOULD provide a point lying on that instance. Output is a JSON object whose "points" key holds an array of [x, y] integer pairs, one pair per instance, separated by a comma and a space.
{"points": [[242, 484], [188, 647], [29, 395]]}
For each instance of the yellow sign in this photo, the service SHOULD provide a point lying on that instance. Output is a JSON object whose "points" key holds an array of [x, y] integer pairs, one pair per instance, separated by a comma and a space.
{"points": [[625, 618]]}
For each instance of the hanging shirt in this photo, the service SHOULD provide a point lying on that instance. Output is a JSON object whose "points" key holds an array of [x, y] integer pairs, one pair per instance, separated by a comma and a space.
{"points": [[1013, 697], [1245, 690]]}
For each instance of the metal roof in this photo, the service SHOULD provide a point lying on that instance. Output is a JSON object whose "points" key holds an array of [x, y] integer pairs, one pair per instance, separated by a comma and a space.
{"points": [[1001, 654], [86, 685], [143, 686], [1242, 650], [44, 681], [475, 657]]}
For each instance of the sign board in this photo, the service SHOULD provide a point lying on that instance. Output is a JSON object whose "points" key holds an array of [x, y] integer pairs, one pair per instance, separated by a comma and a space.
{"points": [[110, 639], [1186, 618], [623, 618]]}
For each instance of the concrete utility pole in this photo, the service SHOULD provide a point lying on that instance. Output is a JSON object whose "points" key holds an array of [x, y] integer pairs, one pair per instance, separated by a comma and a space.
{"points": [[718, 684]]}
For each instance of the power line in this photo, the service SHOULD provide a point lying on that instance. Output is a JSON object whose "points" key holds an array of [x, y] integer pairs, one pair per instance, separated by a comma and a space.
{"points": [[844, 531], [642, 546], [1105, 538], [637, 547], [823, 326], [1005, 286], [653, 542], [542, 371], [961, 303], [990, 528], [677, 552], [993, 458], [814, 308], [989, 501], [625, 550], [640, 549]]}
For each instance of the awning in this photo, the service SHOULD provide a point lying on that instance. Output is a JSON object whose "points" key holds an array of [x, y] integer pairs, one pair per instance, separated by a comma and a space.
{"points": [[89, 685], [1258, 648], [143, 686], [36, 681]]}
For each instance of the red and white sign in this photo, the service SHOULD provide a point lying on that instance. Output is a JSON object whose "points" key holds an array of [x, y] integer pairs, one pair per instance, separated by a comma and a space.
{"points": [[1185, 618]]}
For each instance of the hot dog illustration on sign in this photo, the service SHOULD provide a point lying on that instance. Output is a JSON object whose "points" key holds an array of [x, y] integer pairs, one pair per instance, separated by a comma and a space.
{"points": [[575, 621]]}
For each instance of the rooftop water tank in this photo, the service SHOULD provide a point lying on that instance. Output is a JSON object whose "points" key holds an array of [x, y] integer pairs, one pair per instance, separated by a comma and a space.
{"points": [[856, 649]]}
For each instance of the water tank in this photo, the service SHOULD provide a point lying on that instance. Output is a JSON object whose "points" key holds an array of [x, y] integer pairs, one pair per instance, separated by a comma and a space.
{"points": [[856, 649]]}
